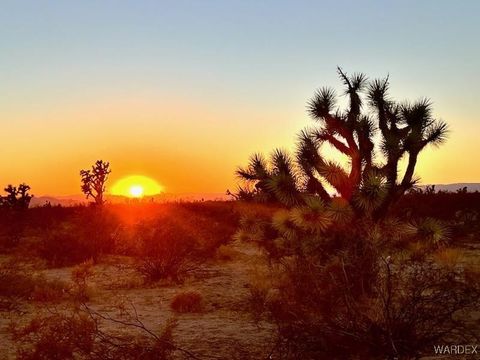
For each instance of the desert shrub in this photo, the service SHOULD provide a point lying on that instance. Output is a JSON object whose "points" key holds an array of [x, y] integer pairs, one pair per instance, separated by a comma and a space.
{"points": [[213, 224], [56, 336], [66, 236], [77, 335], [361, 288], [127, 347], [167, 265], [467, 222], [412, 306], [137, 342], [63, 246], [187, 302], [166, 251], [170, 240], [13, 223], [80, 333], [346, 304], [17, 284], [87, 234]]}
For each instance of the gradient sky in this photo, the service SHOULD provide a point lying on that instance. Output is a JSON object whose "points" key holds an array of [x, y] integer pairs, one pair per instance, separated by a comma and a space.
{"points": [[184, 91]]}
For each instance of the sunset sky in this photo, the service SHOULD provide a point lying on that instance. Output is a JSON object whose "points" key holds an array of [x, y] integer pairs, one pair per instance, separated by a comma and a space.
{"points": [[184, 91]]}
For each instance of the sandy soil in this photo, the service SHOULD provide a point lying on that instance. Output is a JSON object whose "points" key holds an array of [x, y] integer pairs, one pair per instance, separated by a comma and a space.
{"points": [[225, 329]]}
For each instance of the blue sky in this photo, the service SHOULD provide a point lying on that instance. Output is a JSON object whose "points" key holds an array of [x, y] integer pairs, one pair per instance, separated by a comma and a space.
{"points": [[236, 71]]}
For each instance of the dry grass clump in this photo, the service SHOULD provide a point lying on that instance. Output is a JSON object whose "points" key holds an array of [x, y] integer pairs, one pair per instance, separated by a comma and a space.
{"points": [[187, 302]]}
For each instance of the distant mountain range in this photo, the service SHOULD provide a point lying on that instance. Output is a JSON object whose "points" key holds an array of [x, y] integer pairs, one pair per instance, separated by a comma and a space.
{"points": [[72, 200], [163, 198], [471, 187]]}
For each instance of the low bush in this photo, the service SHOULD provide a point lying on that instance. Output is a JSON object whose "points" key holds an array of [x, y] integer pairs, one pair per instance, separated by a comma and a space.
{"points": [[362, 289], [87, 235], [56, 336], [79, 333], [187, 302], [410, 307], [167, 251]]}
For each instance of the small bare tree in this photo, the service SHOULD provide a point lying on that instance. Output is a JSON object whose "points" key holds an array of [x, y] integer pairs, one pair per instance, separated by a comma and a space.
{"points": [[93, 181]]}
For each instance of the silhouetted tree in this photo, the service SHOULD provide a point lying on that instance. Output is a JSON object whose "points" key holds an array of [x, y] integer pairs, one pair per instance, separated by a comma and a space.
{"points": [[93, 181], [371, 181], [16, 198], [13, 212]]}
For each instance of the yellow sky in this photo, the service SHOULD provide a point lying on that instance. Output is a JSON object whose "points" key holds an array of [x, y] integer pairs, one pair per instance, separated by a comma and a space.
{"points": [[193, 148]]}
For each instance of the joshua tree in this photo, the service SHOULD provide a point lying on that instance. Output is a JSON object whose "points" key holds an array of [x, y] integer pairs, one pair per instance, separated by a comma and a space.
{"points": [[13, 208], [371, 181], [16, 198], [93, 181]]}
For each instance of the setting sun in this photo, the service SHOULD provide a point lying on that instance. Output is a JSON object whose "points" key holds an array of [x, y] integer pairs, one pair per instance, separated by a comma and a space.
{"points": [[136, 186], [136, 191]]}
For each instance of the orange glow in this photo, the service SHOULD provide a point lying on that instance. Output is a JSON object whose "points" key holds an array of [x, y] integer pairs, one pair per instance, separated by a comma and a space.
{"points": [[136, 186]]}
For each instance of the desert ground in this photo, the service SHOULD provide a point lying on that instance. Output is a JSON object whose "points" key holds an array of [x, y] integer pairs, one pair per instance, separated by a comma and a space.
{"points": [[217, 307]]}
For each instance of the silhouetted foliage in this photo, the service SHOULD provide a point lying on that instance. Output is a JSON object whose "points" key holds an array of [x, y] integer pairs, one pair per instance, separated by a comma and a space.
{"points": [[86, 234], [13, 212], [182, 232], [404, 130], [17, 197], [93, 181]]}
